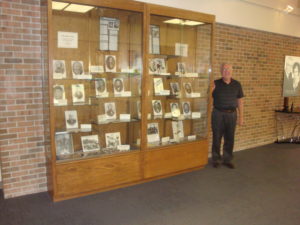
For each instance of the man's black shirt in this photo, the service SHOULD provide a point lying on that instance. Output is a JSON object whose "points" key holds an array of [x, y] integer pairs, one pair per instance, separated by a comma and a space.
{"points": [[226, 95]]}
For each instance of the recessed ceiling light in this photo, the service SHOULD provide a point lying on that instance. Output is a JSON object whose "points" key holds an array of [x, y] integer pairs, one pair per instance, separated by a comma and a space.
{"points": [[78, 8], [288, 9], [183, 22], [59, 5]]}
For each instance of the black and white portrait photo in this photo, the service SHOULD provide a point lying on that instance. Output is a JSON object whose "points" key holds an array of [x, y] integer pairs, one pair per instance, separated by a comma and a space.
{"points": [[90, 143], [113, 140], [71, 119], [157, 66], [59, 97], [63, 144], [177, 128], [157, 108], [78, 94], [181, 67], [100, 86], [77, 68], [110, 110], [175, 109], [291, 82], [188, 88], [118, 84], [59, 69], [186, 108], [153, 132], [110, 63], [175, 88]]}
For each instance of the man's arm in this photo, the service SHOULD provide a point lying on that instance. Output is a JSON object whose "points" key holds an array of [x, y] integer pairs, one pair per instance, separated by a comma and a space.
{"points": [[241, 111]]}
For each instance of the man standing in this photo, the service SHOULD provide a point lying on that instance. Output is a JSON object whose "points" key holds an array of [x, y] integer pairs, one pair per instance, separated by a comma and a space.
{"points": [[227, 94]]}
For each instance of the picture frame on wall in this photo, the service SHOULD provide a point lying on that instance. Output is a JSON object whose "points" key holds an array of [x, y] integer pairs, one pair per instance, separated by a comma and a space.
{"points": [[64, 144], [291, 81], [90, 143], [59, 69]]}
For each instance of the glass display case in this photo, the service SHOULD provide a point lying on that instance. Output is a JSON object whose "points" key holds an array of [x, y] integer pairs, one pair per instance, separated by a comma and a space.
{"points": [[97, 58], [179, 67], [129, 92]]}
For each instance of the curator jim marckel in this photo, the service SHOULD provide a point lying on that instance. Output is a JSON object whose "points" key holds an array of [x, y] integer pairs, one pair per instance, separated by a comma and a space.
{"points": [[227, 95]]}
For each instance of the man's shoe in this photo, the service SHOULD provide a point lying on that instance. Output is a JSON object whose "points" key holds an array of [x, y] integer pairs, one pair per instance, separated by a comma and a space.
{"points": [[229, 165], [216, 164]]}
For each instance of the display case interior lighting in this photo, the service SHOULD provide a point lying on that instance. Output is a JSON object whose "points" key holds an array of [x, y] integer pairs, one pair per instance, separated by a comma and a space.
{"points": [[59, 5], [288, 9], [183, 22], [78, 8]]}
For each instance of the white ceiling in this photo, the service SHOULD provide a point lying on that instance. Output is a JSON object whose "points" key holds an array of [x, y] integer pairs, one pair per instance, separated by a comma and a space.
{"points": [[277, 4]]}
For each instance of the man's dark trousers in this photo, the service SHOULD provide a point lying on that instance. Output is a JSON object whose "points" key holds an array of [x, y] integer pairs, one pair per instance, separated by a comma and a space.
{"points": [[223, 125]]}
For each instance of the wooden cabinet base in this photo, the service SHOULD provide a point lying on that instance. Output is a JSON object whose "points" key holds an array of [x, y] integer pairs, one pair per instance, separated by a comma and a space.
{"points": [[171, 159], [80, 178]]}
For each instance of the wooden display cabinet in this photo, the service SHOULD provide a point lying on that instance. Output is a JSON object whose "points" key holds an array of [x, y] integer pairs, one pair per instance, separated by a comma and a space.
{"points": [[129, 90]]}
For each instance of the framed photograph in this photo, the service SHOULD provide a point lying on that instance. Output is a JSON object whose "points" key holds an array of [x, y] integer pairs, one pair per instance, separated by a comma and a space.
{"points": [[157, 66], [109, 33], [154, 40], [77, 69], [100, 86], [157, 108], [59, 96], [59, 69], [158, 85], [175, 109], [153, 132], [110, 110], [78, 94], [188, 88], [177, 128], [113, 140], [71, 119], [181, 67], [90, 143], [175, 90], [110, 63], [186, 109], [118, 84], [291, 81], [63, 144]]}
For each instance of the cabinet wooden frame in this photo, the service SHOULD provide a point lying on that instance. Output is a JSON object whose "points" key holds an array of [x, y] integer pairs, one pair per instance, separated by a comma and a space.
{"points": [[129, 168]]}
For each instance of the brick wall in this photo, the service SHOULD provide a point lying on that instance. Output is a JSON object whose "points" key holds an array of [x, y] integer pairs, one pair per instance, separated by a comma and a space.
{"points": [[258, 63], [257, 56], [21, 109]]}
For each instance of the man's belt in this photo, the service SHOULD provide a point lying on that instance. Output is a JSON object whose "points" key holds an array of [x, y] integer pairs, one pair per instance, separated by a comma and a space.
{"points": [[226, 110]]}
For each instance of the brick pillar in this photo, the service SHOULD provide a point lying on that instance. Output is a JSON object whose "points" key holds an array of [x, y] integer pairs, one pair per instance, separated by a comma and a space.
{"points": [[21, 108]]}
